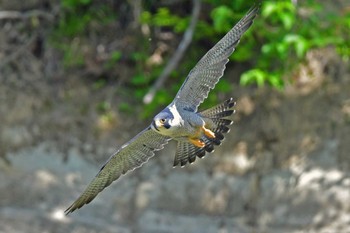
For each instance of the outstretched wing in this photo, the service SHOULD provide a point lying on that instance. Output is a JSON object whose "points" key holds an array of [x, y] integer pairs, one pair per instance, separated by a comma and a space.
{"points": [[204, 76], [130, 156]]}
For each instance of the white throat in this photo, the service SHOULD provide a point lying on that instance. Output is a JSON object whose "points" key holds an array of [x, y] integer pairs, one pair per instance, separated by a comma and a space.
{"points": [[177, 121]]}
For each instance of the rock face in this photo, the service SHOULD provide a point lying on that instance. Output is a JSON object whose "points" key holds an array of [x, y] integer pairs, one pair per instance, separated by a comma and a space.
{"points": [[283, 168], [38, 186]]}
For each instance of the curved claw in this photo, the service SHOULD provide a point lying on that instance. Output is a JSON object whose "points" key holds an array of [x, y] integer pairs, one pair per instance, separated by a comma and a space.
{"points": [[197, 142], [208, 132]]}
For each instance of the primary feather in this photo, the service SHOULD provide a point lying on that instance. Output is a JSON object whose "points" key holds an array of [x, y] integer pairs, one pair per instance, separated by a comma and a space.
{"points": [[207, 72], [131, 155]]}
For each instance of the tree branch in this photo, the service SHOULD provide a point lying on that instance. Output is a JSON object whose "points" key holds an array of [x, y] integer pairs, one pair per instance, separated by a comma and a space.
{"points": [[174, 61]]}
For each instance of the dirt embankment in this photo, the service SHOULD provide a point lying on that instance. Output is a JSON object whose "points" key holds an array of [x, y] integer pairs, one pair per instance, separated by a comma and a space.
{"points": [[285, 166]]}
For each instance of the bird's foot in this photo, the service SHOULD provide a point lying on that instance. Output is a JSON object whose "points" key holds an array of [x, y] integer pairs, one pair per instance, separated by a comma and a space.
{"points": [[197, 142], [208, 132]]}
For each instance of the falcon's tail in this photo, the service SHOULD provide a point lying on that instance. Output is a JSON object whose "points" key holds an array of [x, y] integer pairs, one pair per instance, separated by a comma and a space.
{"points": [[216, 120]]}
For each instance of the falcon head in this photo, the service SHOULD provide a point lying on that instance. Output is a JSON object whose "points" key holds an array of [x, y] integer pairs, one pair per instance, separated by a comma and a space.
{"points": [[162, 121]]}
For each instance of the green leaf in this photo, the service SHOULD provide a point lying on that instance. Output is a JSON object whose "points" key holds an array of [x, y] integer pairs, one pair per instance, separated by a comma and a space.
{"points": [[181, 25], [146, 17], [299, 43], [71, 4], [268, 8], [139, 79], [125, 107], [164, 18], [288, 20], [222, 16], [275, 80], [223, 86], [116, 55], [268, 48], [253, 76]]}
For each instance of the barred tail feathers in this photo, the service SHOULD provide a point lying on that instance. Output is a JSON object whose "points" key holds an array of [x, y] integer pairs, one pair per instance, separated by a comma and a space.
{"points": [[216, 120], [221, 110]]}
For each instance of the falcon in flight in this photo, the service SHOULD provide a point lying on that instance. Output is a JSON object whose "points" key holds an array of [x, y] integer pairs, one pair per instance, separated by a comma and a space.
{"points": [[196, 132]]}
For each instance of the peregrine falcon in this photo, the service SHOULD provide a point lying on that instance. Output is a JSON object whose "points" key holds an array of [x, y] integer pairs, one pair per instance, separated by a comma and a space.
{"points": [[196, 132]]}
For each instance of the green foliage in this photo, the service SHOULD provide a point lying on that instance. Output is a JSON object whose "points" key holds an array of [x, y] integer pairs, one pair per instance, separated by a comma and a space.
{"points": [[103, 107], [74, 4], [76, 18], [115, 56], [163, 18], [126, 108], [278, 41], [281, 12], [288, 36], [221, 16], [260, 77]]}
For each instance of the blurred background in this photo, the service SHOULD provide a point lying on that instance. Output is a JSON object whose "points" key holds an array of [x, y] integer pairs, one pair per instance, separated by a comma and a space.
{"points": [[78, 78]]}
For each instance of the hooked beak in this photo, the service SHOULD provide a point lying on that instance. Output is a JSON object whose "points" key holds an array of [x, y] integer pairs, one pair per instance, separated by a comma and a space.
{"points": [[154, 126], [167, 126]]}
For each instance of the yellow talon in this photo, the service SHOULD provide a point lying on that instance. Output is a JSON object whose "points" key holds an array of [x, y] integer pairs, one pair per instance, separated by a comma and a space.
{"points": [[208, 132], [197, 142]]}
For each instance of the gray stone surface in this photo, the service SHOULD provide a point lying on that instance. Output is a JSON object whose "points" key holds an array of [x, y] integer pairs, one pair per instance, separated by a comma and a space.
{"points": [[39, 185]]}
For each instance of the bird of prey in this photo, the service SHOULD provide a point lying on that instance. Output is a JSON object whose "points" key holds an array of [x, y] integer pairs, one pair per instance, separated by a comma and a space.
{"points": [[195, 132]]}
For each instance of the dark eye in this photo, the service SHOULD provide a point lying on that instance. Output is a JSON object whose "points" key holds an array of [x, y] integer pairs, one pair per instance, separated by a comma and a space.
{"points": [[162, 121]]}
